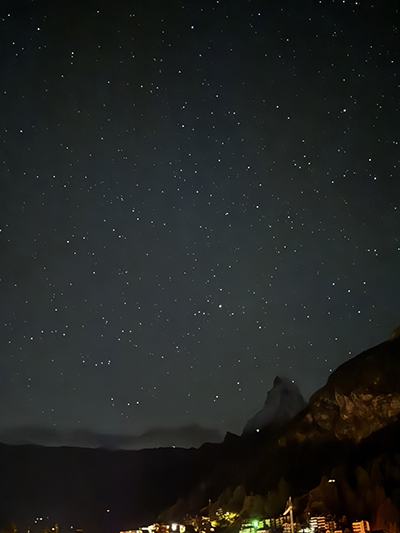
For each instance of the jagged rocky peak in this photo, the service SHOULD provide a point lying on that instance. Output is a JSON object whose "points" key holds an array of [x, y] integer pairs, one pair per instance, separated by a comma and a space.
{"points": [[360, 397], [284, 401]]}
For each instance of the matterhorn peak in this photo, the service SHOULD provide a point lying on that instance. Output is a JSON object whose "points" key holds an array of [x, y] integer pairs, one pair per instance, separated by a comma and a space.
{"points": [[284, 401]]}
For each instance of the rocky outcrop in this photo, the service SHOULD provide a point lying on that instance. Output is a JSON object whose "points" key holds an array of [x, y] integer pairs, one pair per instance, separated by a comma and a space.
{"points": [[357, 415], [361, 397]]}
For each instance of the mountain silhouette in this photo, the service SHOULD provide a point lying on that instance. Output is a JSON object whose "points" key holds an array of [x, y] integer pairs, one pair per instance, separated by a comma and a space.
{"points": [[283, 402], [349, 432]]}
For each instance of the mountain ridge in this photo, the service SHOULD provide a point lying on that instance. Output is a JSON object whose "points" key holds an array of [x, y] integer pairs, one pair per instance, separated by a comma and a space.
{"points": [[360, 397], [350, 431], [190, 436], [253, 473]]}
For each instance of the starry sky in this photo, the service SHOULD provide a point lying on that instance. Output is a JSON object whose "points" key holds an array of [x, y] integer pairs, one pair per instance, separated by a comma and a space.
{"points": [[196, 196]]}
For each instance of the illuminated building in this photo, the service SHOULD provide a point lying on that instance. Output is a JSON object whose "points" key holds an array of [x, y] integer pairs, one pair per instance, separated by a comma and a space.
{"points": [[318, 523], [361, 527], [159, 528]]}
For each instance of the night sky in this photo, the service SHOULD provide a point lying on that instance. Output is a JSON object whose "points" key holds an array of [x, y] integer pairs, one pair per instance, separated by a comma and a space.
{"points": [[196, 197]]}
